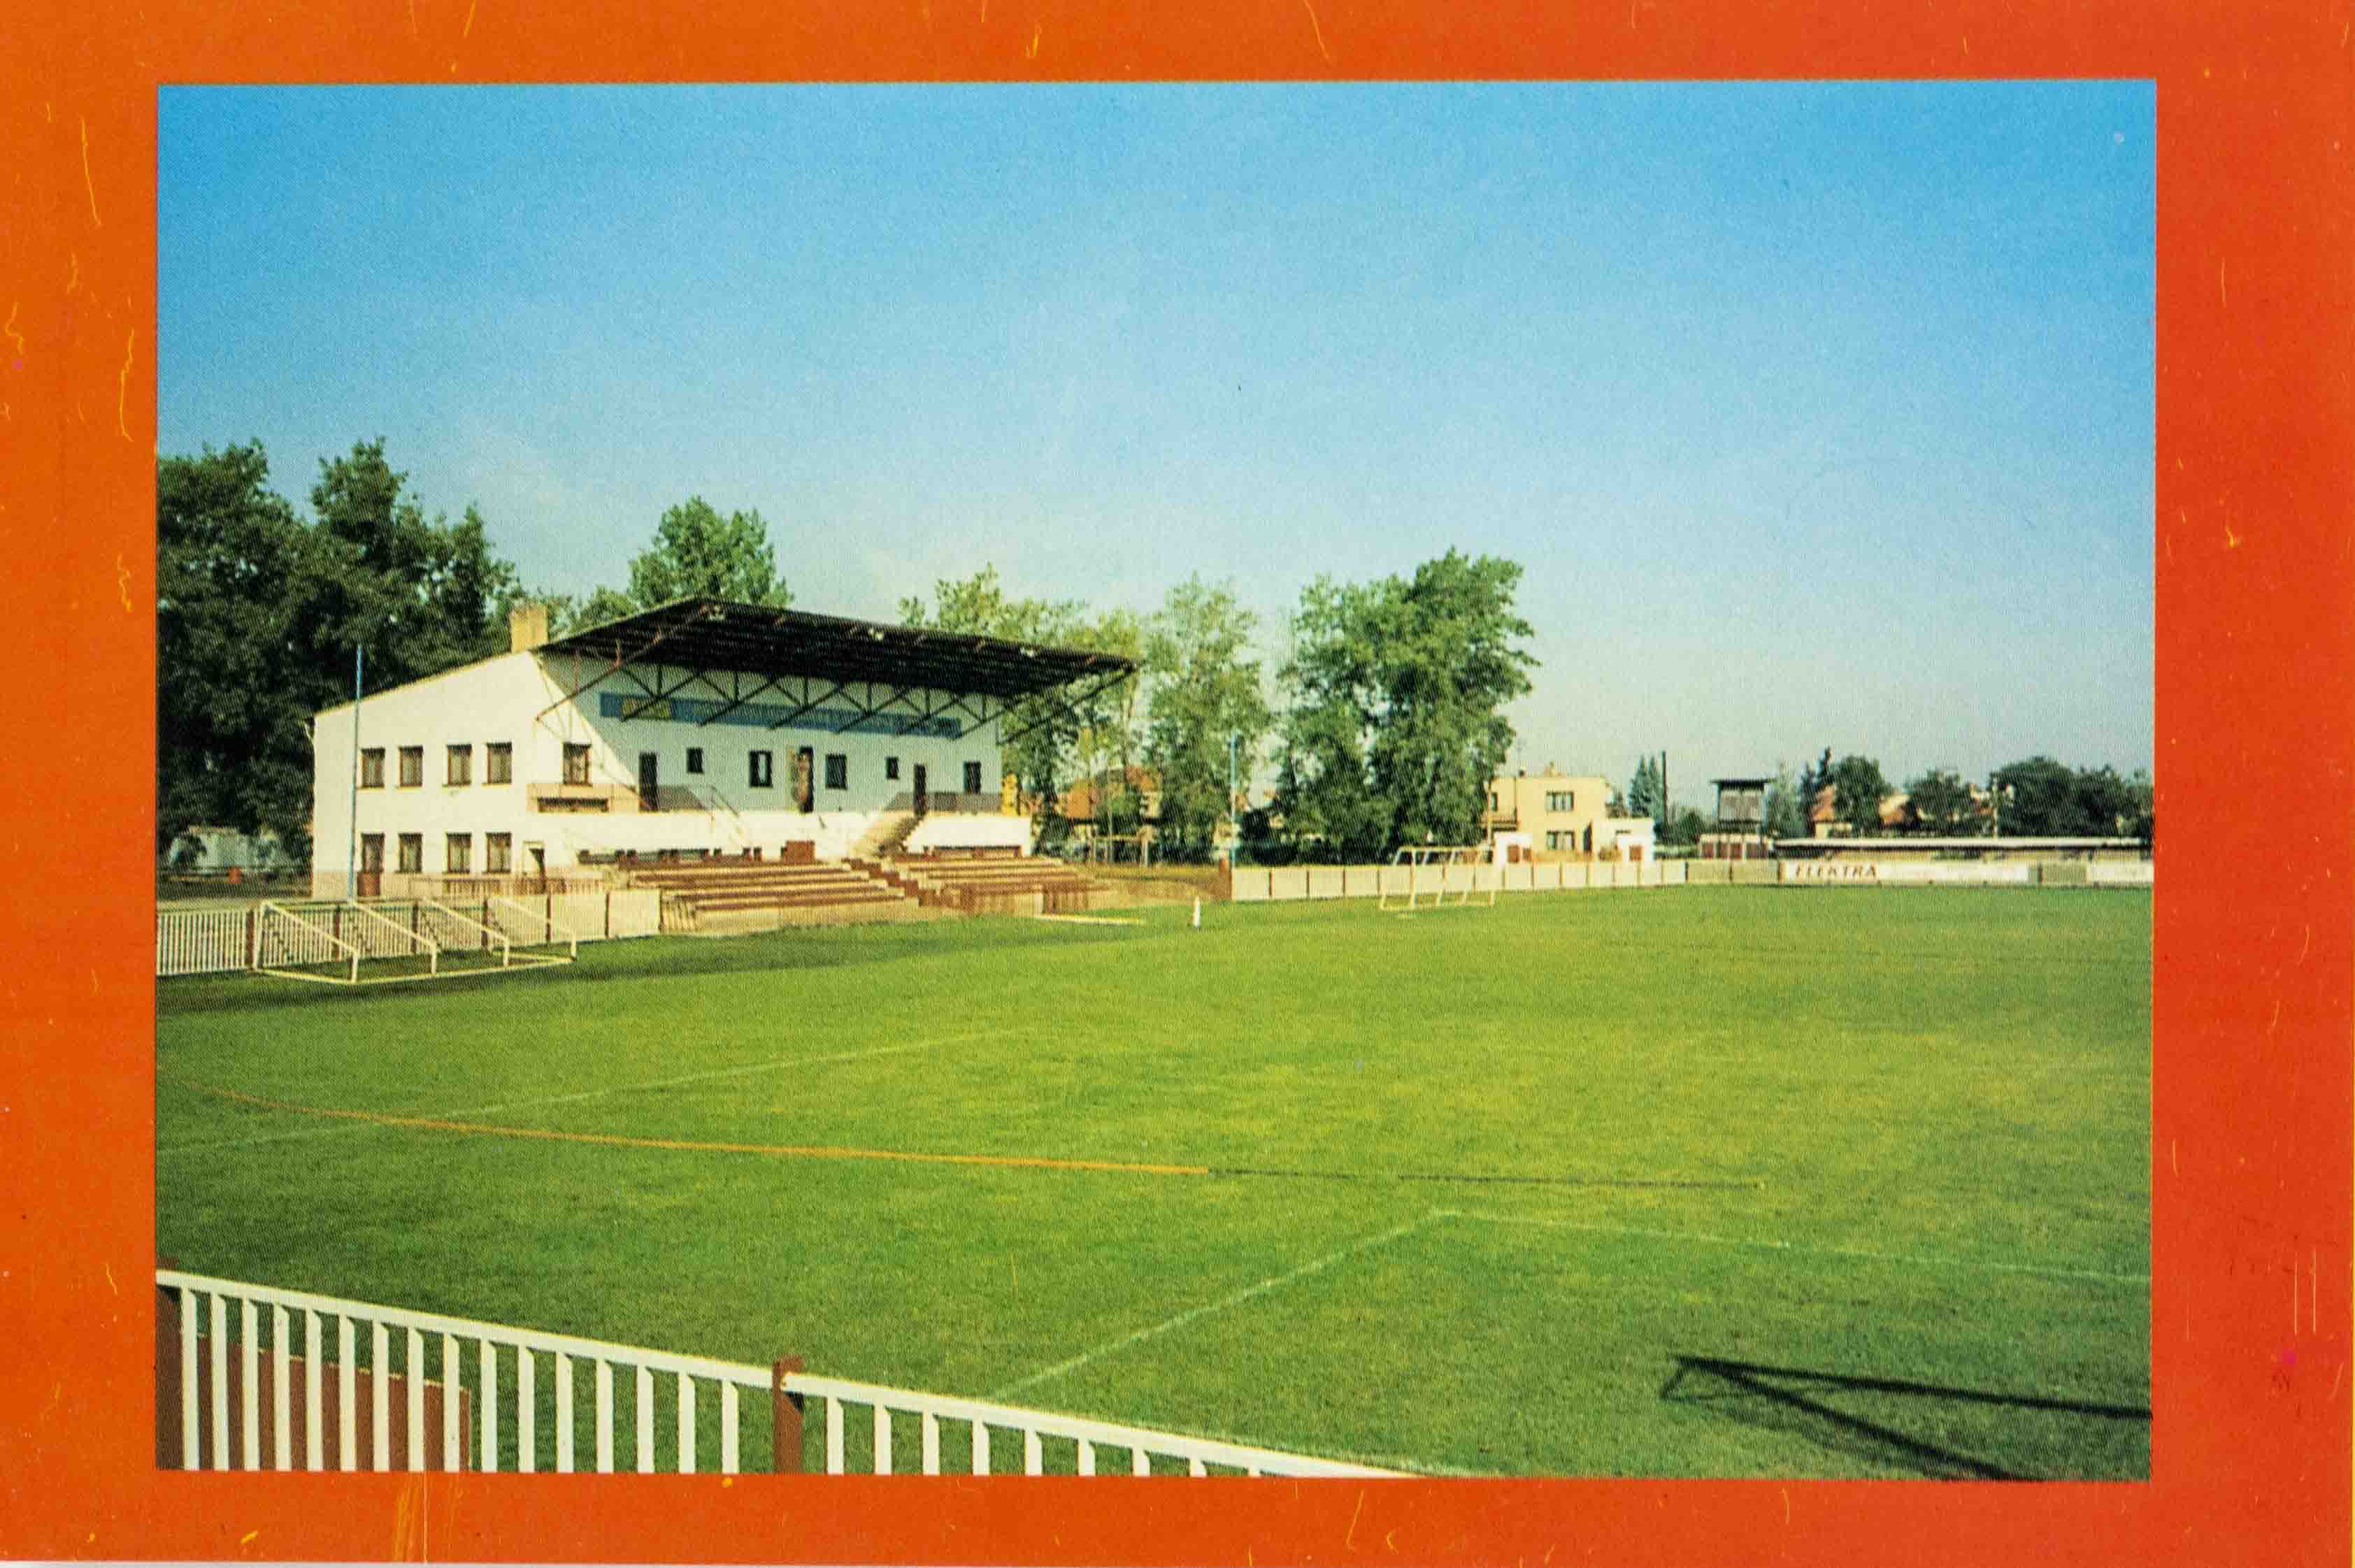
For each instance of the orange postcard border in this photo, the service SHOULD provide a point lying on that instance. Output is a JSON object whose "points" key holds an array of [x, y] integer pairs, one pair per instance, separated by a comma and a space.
{"points": [[2254, 935]]}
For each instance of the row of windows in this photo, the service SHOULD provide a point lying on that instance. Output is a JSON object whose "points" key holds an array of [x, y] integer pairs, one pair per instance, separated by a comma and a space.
{"points": [[499, 765], [1556, 800], [761, 769], [457, 852]]}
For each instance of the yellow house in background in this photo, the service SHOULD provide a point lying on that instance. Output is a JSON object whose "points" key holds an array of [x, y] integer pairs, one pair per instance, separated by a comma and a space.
{"points": [[1554, 815]]}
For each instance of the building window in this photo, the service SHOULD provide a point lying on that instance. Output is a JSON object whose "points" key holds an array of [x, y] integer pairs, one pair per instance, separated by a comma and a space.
{"points": [[412, 767], [461, 765], [576, 763], [837, 770], [371, 851], [890, 767], [499, 762], [412, 851], [763, 765], [695, 759], [372, 767], [459, 854], [1561, 800], [973, 777], [498, 852]]}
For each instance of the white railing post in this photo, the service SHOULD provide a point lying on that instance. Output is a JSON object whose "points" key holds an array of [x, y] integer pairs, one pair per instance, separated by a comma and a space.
{"points": [[250, 1365], [191, 1412], [563, 1414], [282, 1390], [379, 1397]]}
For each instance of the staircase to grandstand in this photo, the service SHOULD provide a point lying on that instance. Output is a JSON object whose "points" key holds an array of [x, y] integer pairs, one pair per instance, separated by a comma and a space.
{"points": [[987, 884], [734, 895], [718, 896]]}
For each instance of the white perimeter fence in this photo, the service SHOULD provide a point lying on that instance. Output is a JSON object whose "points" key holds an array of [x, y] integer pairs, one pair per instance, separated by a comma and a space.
{"points": [[207, 941], [1264, 884], [250, 1377]]}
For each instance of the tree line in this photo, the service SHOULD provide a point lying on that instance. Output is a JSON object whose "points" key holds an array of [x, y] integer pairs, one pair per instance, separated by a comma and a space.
{"points": [[2034, 798], [1391, 720]]}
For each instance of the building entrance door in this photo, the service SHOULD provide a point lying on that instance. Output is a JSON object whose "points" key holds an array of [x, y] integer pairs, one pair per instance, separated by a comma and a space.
{"points": [[649, 781], [922, 801], [804, 795]]}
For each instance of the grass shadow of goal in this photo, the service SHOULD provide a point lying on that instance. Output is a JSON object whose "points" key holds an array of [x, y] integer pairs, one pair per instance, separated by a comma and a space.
{"points": [[1799, 1402]]}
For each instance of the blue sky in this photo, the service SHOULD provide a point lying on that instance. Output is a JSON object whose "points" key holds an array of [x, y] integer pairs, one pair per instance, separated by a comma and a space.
{"points": [[1819, 415]]}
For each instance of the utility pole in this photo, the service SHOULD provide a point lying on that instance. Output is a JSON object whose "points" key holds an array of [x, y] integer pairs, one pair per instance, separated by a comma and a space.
{"points": [[352, 849], [1235, 833]]}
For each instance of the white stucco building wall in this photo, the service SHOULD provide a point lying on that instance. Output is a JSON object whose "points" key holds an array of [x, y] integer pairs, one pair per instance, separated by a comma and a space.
{"points": [[453, 807]]}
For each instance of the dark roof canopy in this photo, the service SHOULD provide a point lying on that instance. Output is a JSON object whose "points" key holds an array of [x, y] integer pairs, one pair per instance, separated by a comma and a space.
{"points": [[716, 634]]}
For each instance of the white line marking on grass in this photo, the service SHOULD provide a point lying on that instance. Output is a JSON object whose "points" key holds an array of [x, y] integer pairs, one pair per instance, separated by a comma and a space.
{"points": [[738, 1071], [1705, 1239], [1248, 1292]]}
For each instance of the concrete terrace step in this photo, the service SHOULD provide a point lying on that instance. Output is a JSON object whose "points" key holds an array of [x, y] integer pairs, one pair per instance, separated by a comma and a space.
{"points": [[741, 887]]}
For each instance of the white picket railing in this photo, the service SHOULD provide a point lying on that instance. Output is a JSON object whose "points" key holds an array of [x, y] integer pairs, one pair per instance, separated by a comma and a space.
{"points": [[304, 933], [1036, 1429], [203, 942], [231, 1334], [534, 928]]}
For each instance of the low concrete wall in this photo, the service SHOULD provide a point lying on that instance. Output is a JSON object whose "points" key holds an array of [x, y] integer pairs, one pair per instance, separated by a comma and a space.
{"points": [[1259, 885], [1285, 883]]}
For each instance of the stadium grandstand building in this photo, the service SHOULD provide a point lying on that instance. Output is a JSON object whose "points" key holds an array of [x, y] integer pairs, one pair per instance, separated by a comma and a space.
{"points": [[697, 730]]}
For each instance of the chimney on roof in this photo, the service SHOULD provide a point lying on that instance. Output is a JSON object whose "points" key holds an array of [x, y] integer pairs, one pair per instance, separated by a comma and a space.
{"points": [[527, 627]]}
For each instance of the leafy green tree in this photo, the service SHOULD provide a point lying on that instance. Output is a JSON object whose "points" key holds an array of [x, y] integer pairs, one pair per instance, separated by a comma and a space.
{"points": [[698, 553], [1205, 687], [1645, 795], [1047, 727], [2039, 799], [1858, 790], [417, 594], [1396, 692], [1814, 780], [237, 681], [1942, 803], [258, 615], [1786, 812], [1683, 827]]}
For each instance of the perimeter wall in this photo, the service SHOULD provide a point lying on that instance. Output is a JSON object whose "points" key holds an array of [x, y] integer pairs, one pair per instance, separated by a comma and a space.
{"points": [[1259, 884]]}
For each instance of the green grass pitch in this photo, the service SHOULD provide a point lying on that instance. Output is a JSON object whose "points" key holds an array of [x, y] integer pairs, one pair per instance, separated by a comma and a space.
{"points": [[1706, 1181]]}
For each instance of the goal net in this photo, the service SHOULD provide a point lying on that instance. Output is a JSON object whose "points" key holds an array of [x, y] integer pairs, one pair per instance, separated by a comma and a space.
{"points": [[1433, 876]]}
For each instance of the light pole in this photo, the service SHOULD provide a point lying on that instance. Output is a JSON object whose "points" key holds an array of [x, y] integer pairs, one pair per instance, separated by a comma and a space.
{"points": [[352, 849], [1234, 821]]}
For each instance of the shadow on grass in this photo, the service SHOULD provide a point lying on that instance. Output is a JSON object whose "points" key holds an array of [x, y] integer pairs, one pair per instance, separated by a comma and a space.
{"points": [[1799, 1401]]}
